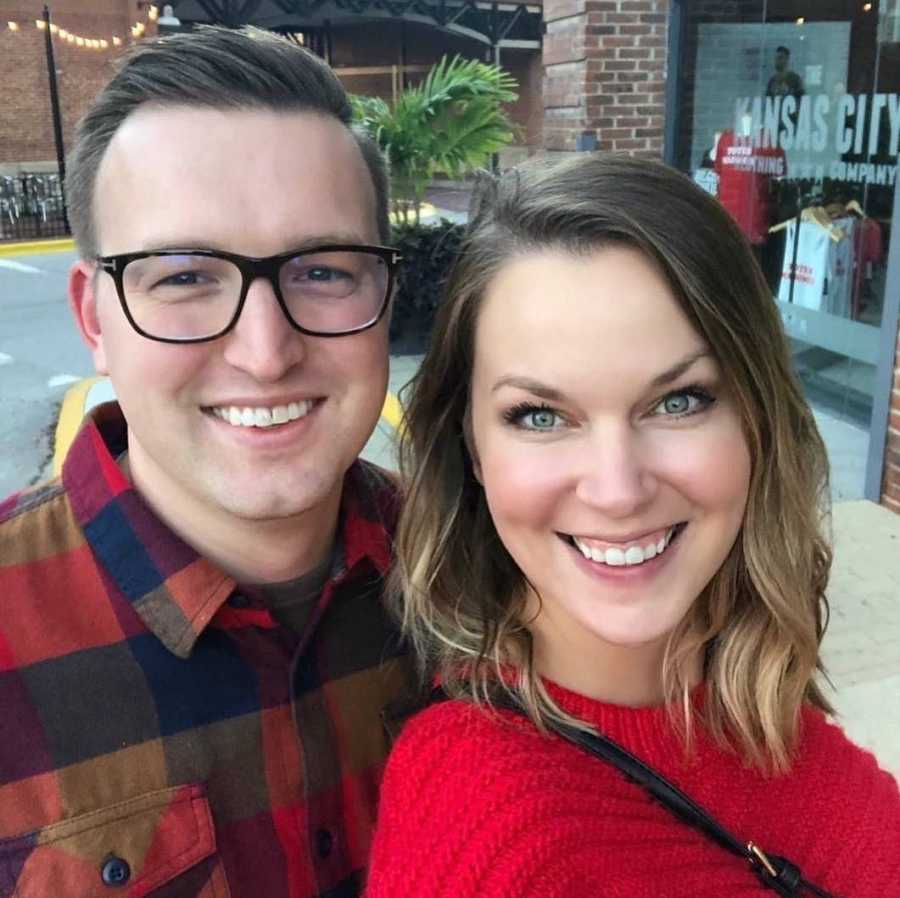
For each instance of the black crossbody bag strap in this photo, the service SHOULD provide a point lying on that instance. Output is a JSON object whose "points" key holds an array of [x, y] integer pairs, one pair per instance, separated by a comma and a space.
{"points": [[775, 872]]}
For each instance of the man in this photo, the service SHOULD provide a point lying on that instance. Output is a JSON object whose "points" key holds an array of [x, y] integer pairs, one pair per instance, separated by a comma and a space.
{"points": [[194, 657], [784, 82]]}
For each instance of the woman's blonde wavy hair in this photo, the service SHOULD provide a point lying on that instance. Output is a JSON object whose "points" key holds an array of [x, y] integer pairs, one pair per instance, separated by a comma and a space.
{"points": [[759, 622]]}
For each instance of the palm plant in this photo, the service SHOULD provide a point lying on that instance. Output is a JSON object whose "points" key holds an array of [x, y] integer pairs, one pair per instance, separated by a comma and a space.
{"points": [[450, 123]]}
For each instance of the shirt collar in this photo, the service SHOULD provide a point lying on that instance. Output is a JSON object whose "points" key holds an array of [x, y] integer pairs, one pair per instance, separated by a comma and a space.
{"points": [[175, 591]]}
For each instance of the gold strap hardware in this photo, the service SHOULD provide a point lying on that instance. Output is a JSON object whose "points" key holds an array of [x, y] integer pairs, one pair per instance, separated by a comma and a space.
{"points": [[760, 856]]}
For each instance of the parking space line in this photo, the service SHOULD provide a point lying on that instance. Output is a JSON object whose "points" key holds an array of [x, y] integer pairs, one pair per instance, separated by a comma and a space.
{"points": [[392, 411], [70, 417]]}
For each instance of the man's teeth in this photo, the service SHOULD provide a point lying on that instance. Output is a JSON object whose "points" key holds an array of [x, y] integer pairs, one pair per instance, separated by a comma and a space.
{"points": [[262, 416], [633, 555]]}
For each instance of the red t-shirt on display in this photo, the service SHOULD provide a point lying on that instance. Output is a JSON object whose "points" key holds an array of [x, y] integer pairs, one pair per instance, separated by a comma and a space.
{"points": [[745, 172]]}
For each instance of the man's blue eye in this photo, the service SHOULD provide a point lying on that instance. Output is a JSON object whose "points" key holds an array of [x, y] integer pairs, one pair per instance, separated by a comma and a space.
{"points": [[321, 274]]}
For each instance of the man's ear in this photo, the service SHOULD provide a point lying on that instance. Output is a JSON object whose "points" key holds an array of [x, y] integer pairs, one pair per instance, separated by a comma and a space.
{"points": [[83, 302]]}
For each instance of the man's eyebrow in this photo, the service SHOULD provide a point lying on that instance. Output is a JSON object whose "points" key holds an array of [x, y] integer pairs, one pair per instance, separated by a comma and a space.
{"points": [[679, 368], [551, 394], [299, 245]]}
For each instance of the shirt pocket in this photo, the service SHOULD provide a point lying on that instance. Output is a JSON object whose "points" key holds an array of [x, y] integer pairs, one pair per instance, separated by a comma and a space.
{"points": [[160, 839]]}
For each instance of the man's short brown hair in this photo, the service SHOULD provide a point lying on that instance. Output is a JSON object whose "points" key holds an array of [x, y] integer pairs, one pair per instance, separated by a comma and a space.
{"points": [[217, 68]]}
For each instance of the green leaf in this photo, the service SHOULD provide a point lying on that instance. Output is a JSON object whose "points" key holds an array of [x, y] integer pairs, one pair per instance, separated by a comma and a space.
{"points": [[452, 122]]}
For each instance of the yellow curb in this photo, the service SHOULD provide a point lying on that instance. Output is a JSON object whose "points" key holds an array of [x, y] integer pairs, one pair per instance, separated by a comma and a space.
{"points": [[70, 417], [392, 411], [72, 413], [63, 245]]}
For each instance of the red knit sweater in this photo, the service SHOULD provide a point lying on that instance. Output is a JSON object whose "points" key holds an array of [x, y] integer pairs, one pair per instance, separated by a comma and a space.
{"points": [[474, 805]]}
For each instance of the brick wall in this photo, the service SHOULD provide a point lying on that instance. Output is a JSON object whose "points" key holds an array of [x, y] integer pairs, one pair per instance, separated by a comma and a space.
{"points": [[890, 490], [604, 74], [26, 125]]}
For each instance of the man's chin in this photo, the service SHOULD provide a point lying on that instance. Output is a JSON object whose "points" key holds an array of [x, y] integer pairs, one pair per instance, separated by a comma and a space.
{"points": [[265, 509], [257, 502]]}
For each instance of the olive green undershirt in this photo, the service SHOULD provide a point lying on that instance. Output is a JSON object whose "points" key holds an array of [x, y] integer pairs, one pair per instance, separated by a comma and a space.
{"points": [[292, 601]]}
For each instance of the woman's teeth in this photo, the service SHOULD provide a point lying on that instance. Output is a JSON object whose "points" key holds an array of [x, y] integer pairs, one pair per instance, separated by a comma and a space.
{"points": [[616, 557], [262, 416]]}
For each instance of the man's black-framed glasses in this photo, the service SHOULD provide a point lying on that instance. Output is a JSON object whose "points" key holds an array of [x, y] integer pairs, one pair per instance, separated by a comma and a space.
{"points": [[195, 295]]}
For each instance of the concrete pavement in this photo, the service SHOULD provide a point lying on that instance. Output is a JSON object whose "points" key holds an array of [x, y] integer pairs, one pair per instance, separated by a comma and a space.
{"points": [[862, 644]]}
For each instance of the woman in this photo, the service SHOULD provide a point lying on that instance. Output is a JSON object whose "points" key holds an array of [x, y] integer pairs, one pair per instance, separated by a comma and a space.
{"points": [[616, 497]]}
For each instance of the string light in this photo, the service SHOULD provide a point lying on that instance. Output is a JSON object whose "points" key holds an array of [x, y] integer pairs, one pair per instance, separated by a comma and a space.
{"points": [[138, 30]]}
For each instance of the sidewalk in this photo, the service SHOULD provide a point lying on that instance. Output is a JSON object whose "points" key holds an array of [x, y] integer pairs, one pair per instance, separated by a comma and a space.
{"points": [[862, 645]]}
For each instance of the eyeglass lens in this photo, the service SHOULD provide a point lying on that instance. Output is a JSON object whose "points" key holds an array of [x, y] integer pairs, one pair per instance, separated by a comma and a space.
{"points": [[193, 296]]}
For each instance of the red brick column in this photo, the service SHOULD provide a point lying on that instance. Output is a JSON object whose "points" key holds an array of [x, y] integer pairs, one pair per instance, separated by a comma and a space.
{"points": [[890, 485], [604, 75]]}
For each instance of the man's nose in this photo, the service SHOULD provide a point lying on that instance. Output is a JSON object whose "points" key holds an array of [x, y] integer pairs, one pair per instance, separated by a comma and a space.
{"points": [[263, 343]]}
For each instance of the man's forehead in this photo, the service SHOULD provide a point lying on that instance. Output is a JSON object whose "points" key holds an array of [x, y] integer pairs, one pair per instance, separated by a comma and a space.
{"points": [[219, 178], [182, 133]]}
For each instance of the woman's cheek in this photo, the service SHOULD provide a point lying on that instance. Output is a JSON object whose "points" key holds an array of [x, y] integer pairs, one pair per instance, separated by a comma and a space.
{"points": [[710, 465], [523, 483]]}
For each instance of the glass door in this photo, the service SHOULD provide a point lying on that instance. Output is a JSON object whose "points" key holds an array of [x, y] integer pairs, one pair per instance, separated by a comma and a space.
{"points": [[790, 114]]}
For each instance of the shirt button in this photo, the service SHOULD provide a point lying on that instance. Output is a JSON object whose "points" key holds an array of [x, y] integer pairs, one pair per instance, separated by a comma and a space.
{"points": [[115, 871], [238, 600], [324, 842]]}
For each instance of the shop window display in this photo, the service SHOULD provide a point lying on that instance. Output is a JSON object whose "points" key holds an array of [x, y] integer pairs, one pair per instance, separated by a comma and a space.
{"points": [[790, 114]]}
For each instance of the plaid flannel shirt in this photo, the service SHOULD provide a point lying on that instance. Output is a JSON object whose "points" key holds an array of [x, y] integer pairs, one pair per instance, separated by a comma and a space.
{"points": [[160, 733]]}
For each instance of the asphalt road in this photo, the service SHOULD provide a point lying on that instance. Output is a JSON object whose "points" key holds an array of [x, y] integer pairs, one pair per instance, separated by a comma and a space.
{"points": [[41, 355]]}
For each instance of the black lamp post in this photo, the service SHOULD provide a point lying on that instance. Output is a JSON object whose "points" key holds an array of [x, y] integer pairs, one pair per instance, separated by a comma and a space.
{"points": [[57, 118]]}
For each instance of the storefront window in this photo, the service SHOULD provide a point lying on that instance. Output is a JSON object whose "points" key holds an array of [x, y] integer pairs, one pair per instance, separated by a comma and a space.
{"points": [[790, 114]]}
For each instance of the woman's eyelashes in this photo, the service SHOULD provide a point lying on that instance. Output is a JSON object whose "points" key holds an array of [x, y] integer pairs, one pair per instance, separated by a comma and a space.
{"points": [[680, 403], [531, 416], [683, 402]]}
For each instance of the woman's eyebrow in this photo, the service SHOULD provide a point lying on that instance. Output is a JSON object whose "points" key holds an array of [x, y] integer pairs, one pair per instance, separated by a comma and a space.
{"points": [[679, 368], [529, 384], [551, 394]]}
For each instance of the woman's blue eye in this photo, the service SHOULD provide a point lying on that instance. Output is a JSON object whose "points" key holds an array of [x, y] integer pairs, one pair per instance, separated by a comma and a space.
{"points": [[542, 419], [684, 402], [677, 405], [533, 417]]}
